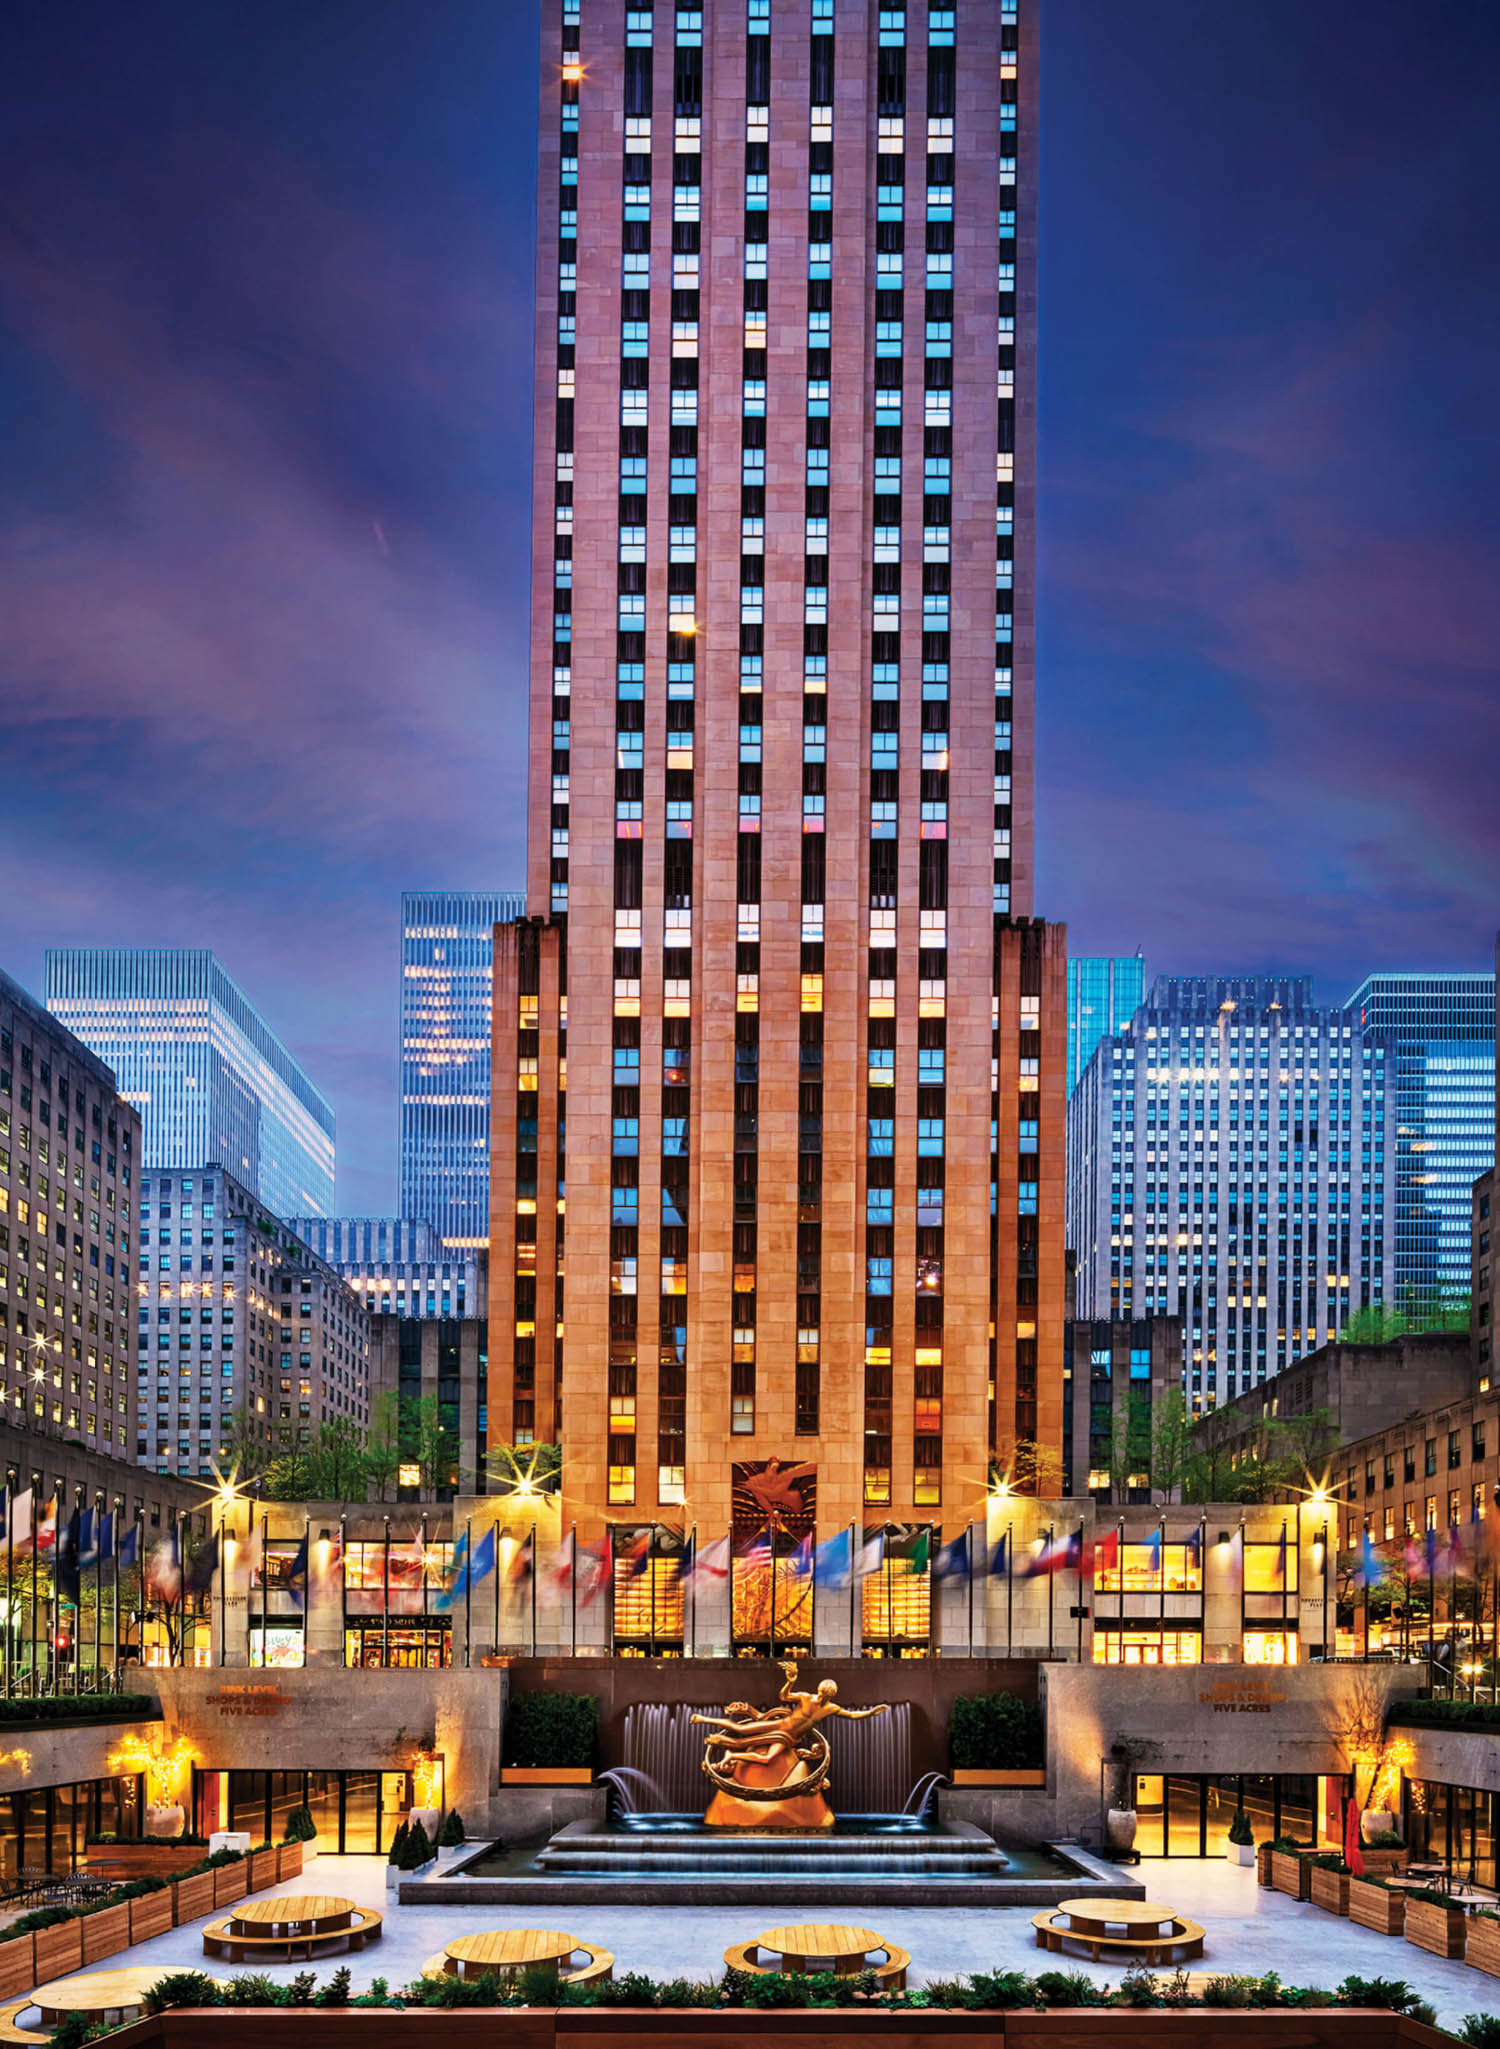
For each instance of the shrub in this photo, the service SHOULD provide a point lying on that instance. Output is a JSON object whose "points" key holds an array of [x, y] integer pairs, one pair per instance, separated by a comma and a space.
{"points": [[1069, 1988], [556, 1730], [1480, 2030], [336, 1991], [251, 1988], [416, 1850], [39, 1918], [300, 1826], [1230, 1992], [300, 1991], [1240, 1830], [398, 1846], [75, 2029], [1386, 1840], [84, 1707], [999, 1991], [1392, 1995], [451, 1834], [1329, 1861], [181, 1988], [1138, 1987], [1431, 1896], [994, 1732]]}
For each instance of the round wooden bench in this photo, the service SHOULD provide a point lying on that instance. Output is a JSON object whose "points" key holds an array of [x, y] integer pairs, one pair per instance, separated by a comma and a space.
{"points": [[1111, 1927], [600, 1965], [800, 1948], [226, 1939], [11, 2031]]}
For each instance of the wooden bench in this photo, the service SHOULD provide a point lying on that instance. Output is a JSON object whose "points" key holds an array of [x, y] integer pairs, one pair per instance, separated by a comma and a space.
{"points": [[600, 1965], [10, 2032], [1187, 1936], [892, 1973], [219, 1940]]}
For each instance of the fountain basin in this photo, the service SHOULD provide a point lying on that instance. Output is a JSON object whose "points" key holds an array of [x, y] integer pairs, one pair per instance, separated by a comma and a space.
{"points": [[864, 1859]]}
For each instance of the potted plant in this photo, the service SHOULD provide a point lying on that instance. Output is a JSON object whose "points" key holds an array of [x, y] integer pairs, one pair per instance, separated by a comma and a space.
{"points": [[1289, 1872], [1328, 1883], [1240, 1848], [393, 1866], [301, 1828], [450, 1839], [1374, 1904], [1482, 1941], [1436, 1922], [1263, 1864], [550, 1740], [417, 1854]]}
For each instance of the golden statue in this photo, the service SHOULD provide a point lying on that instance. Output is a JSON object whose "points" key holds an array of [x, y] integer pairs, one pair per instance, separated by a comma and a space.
{"points": [[771, 1770]]}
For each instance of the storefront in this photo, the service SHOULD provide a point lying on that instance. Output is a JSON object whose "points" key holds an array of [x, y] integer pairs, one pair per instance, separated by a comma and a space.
{"points": [[1188, 1815], [355, 1813], [47, 1828], [1453, 1825]]}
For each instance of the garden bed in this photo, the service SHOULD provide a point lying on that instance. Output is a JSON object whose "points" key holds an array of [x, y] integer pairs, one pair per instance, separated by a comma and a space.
{"points": [[1436, 1926], [1371, 1906]]}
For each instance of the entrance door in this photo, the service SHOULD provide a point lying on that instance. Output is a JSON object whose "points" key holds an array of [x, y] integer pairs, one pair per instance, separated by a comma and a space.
{"points": [[361, 1813]]}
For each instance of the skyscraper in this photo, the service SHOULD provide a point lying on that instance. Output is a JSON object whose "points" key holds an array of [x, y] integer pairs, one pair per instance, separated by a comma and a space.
{"points": [[210, 1078], [1441, 1028], [781, 798], [447, 962], [1231, 1161], [1104, 993]]}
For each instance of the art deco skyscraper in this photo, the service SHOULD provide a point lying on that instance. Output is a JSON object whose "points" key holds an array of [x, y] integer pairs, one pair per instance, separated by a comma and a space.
{"points": [[812, 1041]]}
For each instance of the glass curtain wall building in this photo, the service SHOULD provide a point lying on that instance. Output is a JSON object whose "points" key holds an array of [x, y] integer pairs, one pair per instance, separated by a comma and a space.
{"points": [[447, 966], [782, 771], [209, 1077], [1104, 993], [1231, 1161], [1441, 1029]]}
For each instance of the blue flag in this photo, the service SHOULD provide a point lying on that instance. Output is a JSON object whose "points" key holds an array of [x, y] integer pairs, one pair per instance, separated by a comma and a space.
{"points": [[66, 1558], [1000, 1556], [1153, 1548], [130, 1546], [88, 1537], [204, 1564], [952, 1562], [296, 1579], [833, 1562], [105, 1549], [1371, 1569], [470, 1569], [1194, 1549]]}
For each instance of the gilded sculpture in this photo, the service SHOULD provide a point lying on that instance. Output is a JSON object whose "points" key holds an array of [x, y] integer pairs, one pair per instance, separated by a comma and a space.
{"points": [[770, 1769]]}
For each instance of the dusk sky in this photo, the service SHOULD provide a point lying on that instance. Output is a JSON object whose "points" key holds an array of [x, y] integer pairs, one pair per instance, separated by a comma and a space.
{"points": [[265, 321]]}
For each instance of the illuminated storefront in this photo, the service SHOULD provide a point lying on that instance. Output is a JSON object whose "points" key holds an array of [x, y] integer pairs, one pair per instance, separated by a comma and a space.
{"points": [[1188, 1814], [355, 1813]]}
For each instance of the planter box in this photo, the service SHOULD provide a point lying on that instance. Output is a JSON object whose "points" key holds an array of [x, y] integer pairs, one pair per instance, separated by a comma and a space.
{"points": [[151, 1915], [546, 1775], [1330, 1890], [261, 1865], [59, 1950], [1438, 1930], [1243, 1854], [231, 1882], [1483, 1944], [142, 1860], [1289, 1874], [1263, 1864], [1372, 1907], [288, 1861], [17, 1967], [194, 1897], [105, 1932], [1381, 1863], [1031, 1776]]}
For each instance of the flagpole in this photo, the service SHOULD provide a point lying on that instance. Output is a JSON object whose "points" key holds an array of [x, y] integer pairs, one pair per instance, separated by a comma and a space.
{"points": [[423, 1534], [10, 1585], [1080, 1590], [969, 1545], [573, 1579], [98, 1588], [531, 1560], [495, 1643], [468, 1585], [224, 1591], [651, 1569], [1051, 1592], [114, 1546], [36, 1485], [56, 1591], [1161, 1576], [771, 1546], [385, 1614], [854, 1634], [1010, 1588], [691, 1592]]}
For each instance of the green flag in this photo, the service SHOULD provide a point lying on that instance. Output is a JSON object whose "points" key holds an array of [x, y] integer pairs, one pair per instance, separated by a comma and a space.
{"points": [[921, 1551]]}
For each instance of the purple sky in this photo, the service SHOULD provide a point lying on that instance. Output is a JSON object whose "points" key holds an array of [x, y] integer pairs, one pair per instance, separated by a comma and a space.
{"points": [[264, 348]]}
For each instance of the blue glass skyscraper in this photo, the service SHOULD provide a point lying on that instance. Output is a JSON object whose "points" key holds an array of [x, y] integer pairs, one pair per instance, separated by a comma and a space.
{"points": [[1442, 1031], [213, 1083], [447, 968], [1104, 993]]}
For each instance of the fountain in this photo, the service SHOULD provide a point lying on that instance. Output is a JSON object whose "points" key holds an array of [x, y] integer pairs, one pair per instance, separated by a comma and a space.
{"points": [[769, 1834]]}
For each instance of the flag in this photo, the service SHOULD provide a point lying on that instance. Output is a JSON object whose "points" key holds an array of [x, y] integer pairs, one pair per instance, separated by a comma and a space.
{"points": [[833, 1562], [1413, 1556], [1194, 1550], [633, 1559], [296, 1578], [65, 1554], [759, 1554], [88, 1538], [46, 1529], [921, 1552], [870, 1556], [1371, 1566], [952, 1562], [164, 1568], [1429, 1550], [1107, 1551], [469, 1568], [800, 1562], [1281, 1554], [204, 1563], [19, 1506], [1456, 1560], [1153, 1548], [1055, 1556], [1000, 1556], [561, 1566], [522, 1560], [129, 1550], [594, 1571], [708, 1561]]}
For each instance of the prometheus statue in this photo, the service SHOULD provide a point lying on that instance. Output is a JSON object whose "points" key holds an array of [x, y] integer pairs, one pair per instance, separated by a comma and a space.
{"points": [[770, 1769]]}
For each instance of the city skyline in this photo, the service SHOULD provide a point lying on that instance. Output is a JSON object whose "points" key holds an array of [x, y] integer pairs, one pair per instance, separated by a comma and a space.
{"points": [[418, 584]]}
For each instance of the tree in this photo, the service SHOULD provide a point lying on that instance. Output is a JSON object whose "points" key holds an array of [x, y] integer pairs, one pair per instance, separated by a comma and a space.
{"points": [[383, 1442], [1028, 1467], [428, 1443], [1419, 1309], [245, 1450], [1130, 1444], [526, 1469], [1171, 1444]]}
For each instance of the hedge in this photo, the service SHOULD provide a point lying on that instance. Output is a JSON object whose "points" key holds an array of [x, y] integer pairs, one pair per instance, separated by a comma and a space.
{"points": [[556, 1731], [1445, 1714], [83, 1707], [995, 1732]]}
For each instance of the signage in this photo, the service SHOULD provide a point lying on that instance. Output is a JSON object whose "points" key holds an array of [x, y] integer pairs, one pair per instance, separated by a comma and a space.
{"points": [[237, 1701], [1242, 1697]]}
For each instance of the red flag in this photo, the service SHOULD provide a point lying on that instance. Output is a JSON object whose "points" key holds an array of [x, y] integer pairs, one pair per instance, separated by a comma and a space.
{"points": [[1107, 1551], [1352, 1857]]}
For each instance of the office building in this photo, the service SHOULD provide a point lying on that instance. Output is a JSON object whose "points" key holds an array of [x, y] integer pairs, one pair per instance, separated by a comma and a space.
{"points": [[397, 1267], [1231, 1161], [447, 963], [781, 799], [443, 1360], [208, 1075], [1119, 1376], [1104, 993], [70, 1150], [237, 1314], [1441, 1029]]}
